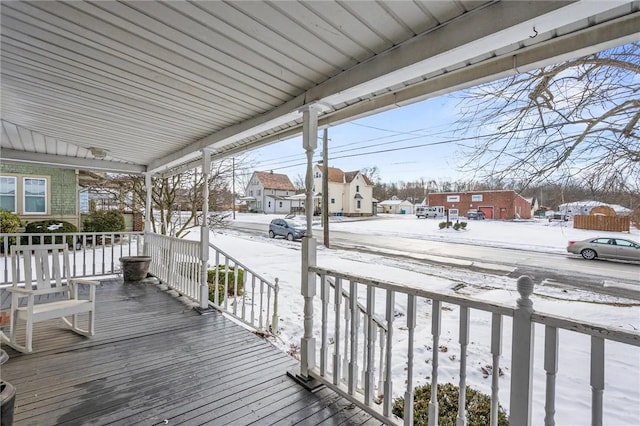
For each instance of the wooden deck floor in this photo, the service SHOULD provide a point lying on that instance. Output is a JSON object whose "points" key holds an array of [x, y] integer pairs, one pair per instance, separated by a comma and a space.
{"points": [[154, 360]]}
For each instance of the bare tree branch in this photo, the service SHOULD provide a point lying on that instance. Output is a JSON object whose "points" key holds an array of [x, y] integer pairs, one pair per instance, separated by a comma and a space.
{"points": [[578, 119]]}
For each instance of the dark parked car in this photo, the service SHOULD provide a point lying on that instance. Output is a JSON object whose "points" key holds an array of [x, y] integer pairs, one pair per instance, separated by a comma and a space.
{"points": [[475, 214], [606, 247], [558, 217], [288, 228]]}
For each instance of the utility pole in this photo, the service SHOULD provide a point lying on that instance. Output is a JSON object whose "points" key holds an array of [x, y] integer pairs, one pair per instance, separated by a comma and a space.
{"points": [[325, 187], [233, 186]]}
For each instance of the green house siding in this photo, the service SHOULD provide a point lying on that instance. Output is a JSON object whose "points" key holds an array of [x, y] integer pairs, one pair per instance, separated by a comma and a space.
{"points": [[62, 189]]}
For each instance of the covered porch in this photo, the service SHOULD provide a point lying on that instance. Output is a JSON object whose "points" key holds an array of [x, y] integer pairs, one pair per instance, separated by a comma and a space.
{"points": [[154, 88], [155, 360]]}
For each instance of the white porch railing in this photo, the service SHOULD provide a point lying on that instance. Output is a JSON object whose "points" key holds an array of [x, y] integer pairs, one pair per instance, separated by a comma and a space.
{"points": [[93, 253], [175, 262], [350, 362], [257, 304], [252, 299]]}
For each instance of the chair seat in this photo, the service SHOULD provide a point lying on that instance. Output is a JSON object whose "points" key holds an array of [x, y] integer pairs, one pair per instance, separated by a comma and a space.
{"points": [[50, 310]]}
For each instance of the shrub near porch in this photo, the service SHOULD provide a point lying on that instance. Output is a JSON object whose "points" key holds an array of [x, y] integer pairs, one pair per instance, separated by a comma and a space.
{"points": [[229, 274]]}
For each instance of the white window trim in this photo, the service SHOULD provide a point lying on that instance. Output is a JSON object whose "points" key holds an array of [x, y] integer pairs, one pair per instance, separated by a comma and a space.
{"points": [[15, 194], [24, 196]]}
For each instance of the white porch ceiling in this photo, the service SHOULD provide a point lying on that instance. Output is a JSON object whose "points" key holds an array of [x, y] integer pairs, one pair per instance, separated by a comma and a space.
{"points": [[154, 83]]}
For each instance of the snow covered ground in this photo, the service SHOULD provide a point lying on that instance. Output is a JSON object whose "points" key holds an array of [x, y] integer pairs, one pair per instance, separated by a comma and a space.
{"points": [[281, 259]]}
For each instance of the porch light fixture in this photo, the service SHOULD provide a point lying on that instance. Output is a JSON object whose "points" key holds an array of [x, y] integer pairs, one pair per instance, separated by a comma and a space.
{"points": [[98, 153]]}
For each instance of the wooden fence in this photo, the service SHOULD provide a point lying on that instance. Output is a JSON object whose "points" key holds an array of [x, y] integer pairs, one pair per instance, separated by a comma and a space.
{"points": [[602, 223]]}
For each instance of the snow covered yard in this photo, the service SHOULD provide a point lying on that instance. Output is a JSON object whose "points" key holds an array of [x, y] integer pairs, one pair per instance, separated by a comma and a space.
{"points": [[281, 259]]}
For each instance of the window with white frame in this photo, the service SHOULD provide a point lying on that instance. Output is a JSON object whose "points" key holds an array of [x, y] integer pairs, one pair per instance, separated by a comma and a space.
{"points": [[333, 201], [358, 204], [8, 193], [35, 195], [259, 192], [280, 203], [357, 188]]}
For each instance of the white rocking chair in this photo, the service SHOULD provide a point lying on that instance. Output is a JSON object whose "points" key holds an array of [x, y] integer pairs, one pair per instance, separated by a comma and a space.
{"points": [[46, 271]]}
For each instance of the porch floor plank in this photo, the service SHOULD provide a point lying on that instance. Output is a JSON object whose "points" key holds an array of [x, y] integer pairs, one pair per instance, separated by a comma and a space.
{"points": [[155, 360]]}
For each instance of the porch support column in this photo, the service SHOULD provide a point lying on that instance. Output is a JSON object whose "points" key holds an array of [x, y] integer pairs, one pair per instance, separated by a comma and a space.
{"points": [[308, 281], [522, 355], [147, 212], [204, 230]]}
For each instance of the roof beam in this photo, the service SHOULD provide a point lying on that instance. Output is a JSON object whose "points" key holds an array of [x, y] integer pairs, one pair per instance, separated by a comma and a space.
{"points": [[70, 162]]}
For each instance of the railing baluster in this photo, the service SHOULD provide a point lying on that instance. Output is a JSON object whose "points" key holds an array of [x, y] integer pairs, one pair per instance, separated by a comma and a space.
{"points": [[388, 376], [337, 361], [353, 364], [411, 327], [274, 319], [597, 379], [551, 367], [94, 242], [196, 271], [435, 332], [253, 298], [347, 327], [217, 279], [371, 349], [234, 268], [324, 344], [365, 351], [5, 251], [266, 318], [496, 351], [113, 245], [226, 283], [261, 304], [244, 292], [461, 420], [381, 362], [84, 255]]}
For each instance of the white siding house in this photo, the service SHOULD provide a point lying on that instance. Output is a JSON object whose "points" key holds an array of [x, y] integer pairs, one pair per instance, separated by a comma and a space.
{"points": [[269, 192], [395, 206], [350, 193]]}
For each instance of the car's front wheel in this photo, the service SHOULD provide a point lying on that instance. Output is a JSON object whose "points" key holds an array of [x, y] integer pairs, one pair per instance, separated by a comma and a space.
{"points": [[272, 234], [290, 236], [589, 254]]}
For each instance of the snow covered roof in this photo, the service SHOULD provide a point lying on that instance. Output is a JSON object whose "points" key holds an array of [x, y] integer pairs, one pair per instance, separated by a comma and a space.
{"points": [[393, 202], [589, 204]]}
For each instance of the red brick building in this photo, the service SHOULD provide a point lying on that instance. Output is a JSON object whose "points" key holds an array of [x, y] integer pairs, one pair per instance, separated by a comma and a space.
{"points": [[495, 204]]}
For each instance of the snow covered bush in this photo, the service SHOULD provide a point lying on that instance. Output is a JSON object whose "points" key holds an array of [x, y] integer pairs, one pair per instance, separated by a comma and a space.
{"points": [[49, 227]]}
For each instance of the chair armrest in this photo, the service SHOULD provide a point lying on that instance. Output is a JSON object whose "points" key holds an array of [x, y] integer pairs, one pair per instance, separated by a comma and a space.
{"points": [[20, 290], [83, 281], [24, 292]]}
